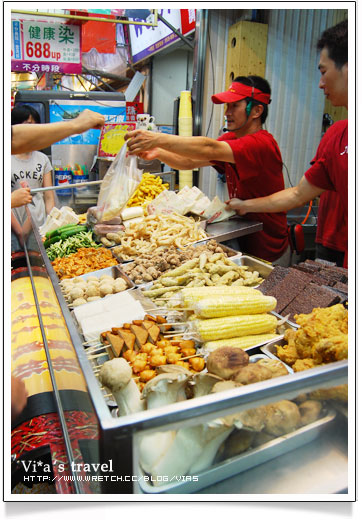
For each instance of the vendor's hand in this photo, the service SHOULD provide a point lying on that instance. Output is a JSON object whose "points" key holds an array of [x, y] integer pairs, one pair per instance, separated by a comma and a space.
{"points": [[150, 155], [139, 141], [88, 119], [236, 205], [19, 396], [20, 197]]}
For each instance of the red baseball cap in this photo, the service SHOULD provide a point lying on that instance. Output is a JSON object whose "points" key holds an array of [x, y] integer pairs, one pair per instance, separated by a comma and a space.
{"points": [[238, 91]]}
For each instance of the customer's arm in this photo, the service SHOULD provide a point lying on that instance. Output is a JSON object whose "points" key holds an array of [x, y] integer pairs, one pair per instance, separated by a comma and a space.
{"points": [[27, 138], [49, 199]]}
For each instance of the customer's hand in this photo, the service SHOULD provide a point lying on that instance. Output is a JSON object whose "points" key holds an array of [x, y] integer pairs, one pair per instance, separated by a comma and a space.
{"points": [[86, 120], [20, 197]]}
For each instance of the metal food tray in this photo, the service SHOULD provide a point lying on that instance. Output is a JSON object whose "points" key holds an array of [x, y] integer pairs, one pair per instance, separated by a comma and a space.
{"points": [[118, 258], [247, 460], [231, 253], [263, 268], [270, 350], [115, 271]]}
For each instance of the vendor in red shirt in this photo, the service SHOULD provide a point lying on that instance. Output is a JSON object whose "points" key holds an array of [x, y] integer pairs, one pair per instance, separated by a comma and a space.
{"points": [[332, 229], [248, 155], [329, 170]]}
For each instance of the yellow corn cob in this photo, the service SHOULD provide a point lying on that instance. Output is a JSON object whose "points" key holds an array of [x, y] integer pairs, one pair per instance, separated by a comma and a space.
{"points": [[190, 295], [232, 326], [240, 342], [234, 305]]}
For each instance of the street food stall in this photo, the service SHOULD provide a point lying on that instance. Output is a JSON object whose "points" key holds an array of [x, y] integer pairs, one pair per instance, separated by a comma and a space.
{"points": [[158, 357]]}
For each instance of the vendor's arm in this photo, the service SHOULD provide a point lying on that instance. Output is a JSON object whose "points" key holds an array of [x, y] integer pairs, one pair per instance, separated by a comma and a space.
{"points": [[200, 149], [172, 159], [49, 198], [27, 138], [280, 201]]}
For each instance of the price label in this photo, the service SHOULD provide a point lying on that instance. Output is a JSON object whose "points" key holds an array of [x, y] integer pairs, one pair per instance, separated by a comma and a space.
{"points": [[51, 42], [45, 47]]}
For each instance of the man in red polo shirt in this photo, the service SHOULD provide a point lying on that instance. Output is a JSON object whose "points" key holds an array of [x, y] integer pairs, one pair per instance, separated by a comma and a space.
{"points": [[329, 170], [248, 155]]}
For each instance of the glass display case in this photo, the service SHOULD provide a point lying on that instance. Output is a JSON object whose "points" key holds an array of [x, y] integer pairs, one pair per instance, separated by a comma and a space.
{"points": [[93, 450]]}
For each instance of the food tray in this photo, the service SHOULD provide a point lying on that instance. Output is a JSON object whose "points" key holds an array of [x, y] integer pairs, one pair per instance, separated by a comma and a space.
{"points": [[270, 350], [119, 259], [115, 271], [231, 253], [263, 268], [242, 462]]}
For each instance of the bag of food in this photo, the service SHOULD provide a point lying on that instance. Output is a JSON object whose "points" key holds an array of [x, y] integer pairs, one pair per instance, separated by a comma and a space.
{"points": [[119, 184]]}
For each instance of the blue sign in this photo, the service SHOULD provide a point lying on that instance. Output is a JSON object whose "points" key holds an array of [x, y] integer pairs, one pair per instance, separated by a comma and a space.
{"points": [[64, 112], [16, 40]]}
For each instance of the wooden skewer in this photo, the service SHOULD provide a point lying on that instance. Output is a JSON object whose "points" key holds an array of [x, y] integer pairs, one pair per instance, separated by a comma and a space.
{"points": [[94, 356], [193, 355], [167, 335], [173, 323]]}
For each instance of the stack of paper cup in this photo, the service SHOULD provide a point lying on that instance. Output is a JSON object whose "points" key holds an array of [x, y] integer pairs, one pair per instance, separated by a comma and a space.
{"points": [[185, 129]]}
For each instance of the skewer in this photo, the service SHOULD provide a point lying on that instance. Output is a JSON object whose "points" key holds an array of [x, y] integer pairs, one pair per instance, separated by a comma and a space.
{"points": [[173, 335], [94, 356], [173, 323], [193, 355], [86, 344]]}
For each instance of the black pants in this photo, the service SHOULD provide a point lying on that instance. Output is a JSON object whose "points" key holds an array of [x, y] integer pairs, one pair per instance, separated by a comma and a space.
{"points": [[332, 255]]}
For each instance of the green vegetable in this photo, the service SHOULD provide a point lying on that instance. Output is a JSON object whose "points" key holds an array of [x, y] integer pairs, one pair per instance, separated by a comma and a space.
{"points": [[59, 230], [50, 241], [72, 231], [64, 248]]}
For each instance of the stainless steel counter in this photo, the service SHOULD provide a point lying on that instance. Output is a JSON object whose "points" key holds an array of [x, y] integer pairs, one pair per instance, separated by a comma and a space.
{"points": [[319, 467], [232, 228]]}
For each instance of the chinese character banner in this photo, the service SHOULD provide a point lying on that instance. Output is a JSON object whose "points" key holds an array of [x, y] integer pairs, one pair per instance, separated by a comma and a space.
{"points": [[45, 47]]}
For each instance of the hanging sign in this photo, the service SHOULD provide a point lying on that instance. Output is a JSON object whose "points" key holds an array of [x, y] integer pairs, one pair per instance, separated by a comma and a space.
{"points": [[45, 47], [147, 40], [112, 138], [113, 111]]}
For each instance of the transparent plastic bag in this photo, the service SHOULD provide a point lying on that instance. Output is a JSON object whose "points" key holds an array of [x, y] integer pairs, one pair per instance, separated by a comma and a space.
{"points": [[119, 184]]}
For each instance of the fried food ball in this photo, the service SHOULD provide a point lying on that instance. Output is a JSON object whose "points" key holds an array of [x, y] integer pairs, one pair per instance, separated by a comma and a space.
{"points": [[260, 438], [225, 362], [106, 288], [237, 442], [78, 301], [92, 290], [76, 292], [252, 420], [282, 417], [310, 411], [336, 393], [303, 364], [276, 367], [252, 373]]}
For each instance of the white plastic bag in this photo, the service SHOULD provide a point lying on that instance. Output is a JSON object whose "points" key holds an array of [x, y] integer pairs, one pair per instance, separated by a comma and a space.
{"points": [[119, 184]]}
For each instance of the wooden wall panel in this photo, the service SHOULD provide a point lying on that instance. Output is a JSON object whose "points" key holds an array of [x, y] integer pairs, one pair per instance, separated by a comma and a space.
{"points": [[246, 51]]}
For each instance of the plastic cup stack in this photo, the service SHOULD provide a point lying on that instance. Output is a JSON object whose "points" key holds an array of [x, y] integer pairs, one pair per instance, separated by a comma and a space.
{"points": [[185, 129]]}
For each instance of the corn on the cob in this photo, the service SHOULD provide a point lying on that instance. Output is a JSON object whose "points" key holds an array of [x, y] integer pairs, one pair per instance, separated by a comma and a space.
{"points": [[234, 305], [232, 326], [240, 342], [190, 295]]}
